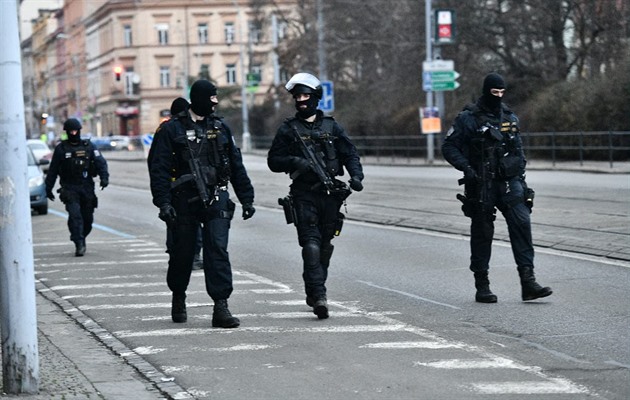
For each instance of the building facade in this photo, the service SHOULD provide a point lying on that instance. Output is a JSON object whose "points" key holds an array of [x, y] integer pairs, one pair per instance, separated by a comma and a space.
{"points": [[118, 64]]}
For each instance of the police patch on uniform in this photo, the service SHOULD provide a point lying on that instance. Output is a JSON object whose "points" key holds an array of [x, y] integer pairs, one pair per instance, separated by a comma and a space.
{"points": [[97, 153], [68, 155], [450, 131], [190, 134]]}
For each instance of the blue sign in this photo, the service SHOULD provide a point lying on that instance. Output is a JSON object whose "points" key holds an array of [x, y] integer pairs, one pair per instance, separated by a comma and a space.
{"points": [[327, 102], [147, 139]]}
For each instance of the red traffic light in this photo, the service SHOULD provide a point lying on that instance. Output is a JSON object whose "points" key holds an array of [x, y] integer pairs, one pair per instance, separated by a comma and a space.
{"points": [[117, 71]]}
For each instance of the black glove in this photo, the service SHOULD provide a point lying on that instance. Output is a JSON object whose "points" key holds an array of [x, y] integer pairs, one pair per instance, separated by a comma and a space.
{"points": [[49, 194], [300, 164], [248, 211], [529, 198], [470, 176], [355, 184], [104, 183], [167, 214]]}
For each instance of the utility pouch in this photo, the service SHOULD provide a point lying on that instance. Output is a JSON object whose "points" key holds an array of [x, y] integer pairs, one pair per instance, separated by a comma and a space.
{"points": [[509, 166], [289, 210], [209, 175], [339, 223]]}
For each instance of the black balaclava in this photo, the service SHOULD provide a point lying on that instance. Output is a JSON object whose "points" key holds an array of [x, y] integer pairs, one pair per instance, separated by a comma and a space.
{"points": [[178, 105], [311, 103], [70, 125], [492, 81], [200, 102]]}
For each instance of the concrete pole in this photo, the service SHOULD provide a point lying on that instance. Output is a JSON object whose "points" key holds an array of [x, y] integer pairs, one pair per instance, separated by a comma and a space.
{"points": [[20, 362], [427, 31]]}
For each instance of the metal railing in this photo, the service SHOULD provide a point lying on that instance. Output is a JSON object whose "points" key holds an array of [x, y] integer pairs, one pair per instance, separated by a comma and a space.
{"points": [[609, 146]]}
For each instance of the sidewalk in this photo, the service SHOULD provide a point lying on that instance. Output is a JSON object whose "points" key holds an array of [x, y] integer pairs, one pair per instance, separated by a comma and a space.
{"points": [[77, 360]]}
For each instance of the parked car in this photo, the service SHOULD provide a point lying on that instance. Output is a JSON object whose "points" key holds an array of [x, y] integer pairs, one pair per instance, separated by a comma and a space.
{"points": [[102, 143], [128, 143], [36, 185], [41, 151]]}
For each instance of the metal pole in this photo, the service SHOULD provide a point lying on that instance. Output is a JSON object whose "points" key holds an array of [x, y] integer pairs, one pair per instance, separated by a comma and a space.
{"points": [[246, 145], [429, 58], [274, 56], [321, 42], [20, 363]]}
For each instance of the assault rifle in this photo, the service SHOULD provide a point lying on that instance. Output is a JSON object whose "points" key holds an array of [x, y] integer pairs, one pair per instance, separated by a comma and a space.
{"points": [[201, 180], [478, 201], [317, 163]]}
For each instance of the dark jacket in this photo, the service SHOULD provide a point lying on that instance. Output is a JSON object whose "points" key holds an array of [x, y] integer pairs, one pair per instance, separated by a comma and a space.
{"points": [[174, 143], [480, 136], [285, 148], [76, 164]]}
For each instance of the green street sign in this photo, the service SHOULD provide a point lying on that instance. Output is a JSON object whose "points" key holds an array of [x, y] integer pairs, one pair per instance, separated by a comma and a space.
{"points": [[444, 76], [445, 85]]}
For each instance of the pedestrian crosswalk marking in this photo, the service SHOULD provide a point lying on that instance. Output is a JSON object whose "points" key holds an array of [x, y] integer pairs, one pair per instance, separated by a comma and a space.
{"points": [[382, 322]]}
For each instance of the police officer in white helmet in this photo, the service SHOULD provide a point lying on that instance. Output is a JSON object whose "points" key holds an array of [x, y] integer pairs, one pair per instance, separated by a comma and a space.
{"points": [[314, 150]]}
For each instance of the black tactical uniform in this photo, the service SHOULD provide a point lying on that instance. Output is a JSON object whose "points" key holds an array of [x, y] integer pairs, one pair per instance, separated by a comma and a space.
{"points": [[76, 162], [485, 144], [316, 205], [187, 197]]}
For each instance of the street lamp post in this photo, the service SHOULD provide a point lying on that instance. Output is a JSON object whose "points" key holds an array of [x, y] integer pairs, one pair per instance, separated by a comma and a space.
{"points": [[246, 145]]}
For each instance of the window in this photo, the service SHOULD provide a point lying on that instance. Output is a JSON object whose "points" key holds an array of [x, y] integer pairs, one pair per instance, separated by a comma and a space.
{"points": [[204, 72], [230, 74], [162, 30], [254, 33], [165, 77], [202, 32], [256, 71], [129, 74], [128, 40], [282, 30], [229, 32]]}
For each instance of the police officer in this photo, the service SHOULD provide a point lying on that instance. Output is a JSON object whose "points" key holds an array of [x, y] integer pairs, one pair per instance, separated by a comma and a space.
{"points": [[193, 157], [77, 161], [315, 194], [484, 143]]}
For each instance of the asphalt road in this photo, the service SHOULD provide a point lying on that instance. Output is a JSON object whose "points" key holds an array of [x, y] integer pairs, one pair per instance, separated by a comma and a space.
{"points": [[403, 321]]}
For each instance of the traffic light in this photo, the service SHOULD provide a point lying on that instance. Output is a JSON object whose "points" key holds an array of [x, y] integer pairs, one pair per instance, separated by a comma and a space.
{"points": [[117, 71]]}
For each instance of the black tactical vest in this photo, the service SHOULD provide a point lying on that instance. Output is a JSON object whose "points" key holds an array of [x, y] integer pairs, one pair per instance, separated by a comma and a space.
{"points": [[78, 162], [321, 138]]}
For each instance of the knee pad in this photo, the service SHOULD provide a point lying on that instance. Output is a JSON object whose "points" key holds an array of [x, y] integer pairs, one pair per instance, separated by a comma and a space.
{"points": [[311, 252]]}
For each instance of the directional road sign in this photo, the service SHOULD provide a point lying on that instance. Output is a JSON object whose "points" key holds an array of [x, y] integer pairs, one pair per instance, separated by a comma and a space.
{"points": [[327, 102], [438, 75]]}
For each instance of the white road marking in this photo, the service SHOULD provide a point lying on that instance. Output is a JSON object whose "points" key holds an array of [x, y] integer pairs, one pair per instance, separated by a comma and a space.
{"points": [[409, 295], [555, 386], [411, 345], [263, 329]]}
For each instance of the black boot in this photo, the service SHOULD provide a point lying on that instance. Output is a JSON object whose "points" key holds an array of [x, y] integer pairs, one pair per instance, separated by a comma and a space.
{"points": [[178, 308], [483, 295], [320, 308], [79, 248], [222, 317], [531, 289]]}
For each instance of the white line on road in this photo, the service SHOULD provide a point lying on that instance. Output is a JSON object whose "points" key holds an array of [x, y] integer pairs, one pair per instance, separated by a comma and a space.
{"points": [[264, 329], [411, 345], [414, 296]]}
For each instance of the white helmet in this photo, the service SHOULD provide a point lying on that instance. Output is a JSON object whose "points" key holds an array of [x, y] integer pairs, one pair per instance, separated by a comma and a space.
{"points": [[304, 83]]}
